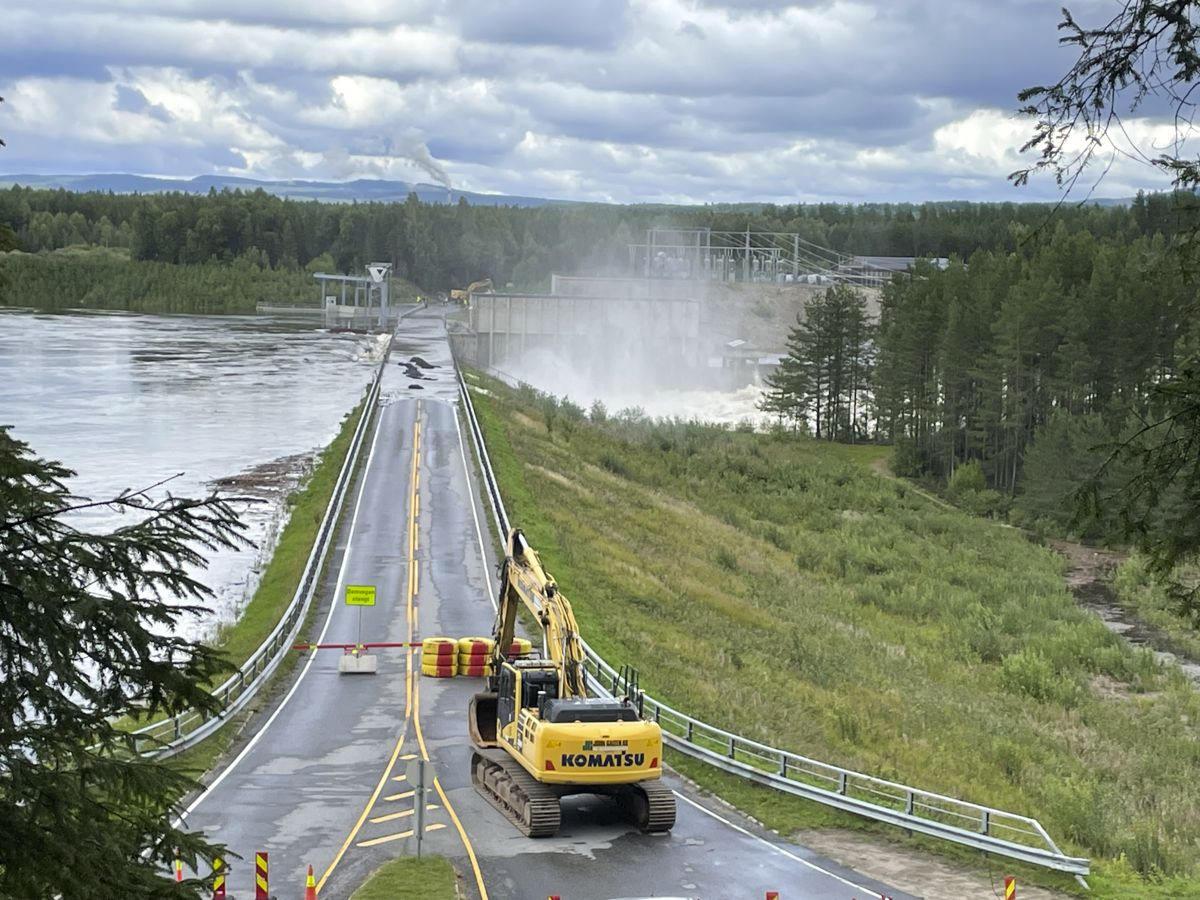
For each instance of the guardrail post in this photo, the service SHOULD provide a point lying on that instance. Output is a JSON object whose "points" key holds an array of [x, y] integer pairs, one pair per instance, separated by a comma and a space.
{"points": [[783, 766], [732, 746], [984, 822], [178, 728], [908, 803], [688, 736], [842, 782]]}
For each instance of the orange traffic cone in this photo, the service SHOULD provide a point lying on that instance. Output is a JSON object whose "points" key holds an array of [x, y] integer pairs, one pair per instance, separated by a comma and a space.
{"points": [[310, 886]]}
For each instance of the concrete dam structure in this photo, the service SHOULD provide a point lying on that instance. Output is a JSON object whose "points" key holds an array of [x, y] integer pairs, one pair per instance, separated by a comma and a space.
{"points": [[505, 328]]}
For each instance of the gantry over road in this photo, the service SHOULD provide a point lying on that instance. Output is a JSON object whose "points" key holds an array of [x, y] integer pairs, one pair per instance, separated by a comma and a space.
{"points": [[320, 777]]}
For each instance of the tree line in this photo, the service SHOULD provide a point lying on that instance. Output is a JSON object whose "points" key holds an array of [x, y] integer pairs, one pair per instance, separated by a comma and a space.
{"points": [[439, 246], [1032, 367]]}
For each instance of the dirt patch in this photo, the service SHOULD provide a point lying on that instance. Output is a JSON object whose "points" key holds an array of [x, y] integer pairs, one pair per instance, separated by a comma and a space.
{"points": [[270, 479], [1087, 566], [561, 479], [914, 872], [528, 422]]}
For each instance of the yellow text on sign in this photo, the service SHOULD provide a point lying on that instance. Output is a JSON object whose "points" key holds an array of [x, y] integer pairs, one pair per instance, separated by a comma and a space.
{"points": [[360, 595]]}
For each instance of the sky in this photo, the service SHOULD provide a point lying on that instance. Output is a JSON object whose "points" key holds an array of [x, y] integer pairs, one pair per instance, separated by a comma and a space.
{"points": [[668, 101]]}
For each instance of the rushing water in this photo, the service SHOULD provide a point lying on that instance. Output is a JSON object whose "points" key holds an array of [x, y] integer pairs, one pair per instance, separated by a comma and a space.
{"points": [[129, 400]]}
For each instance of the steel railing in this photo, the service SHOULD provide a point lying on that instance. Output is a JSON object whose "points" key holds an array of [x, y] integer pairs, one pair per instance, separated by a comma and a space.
{"points": [[972, 825], [170, 736]]}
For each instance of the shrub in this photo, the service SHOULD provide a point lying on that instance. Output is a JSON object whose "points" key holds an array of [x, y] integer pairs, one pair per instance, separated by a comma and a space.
{"points": [[967, 478], [1028, 672]]}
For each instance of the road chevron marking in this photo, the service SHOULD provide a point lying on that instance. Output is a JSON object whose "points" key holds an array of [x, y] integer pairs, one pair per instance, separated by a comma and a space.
{"points": [[436, 826], [437, 786]]}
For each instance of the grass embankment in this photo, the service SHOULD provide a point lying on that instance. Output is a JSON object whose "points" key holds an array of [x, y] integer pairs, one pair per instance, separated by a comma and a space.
{"points": [[409, 878], [283, 573], [780, 588]]}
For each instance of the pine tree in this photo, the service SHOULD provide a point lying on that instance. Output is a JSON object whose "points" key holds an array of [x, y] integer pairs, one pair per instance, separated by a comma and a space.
{"points": [[86, 639], [787, 391]]}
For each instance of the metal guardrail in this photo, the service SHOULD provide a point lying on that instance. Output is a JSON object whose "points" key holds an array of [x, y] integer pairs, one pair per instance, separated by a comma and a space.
{"points": [[170, 736], [983, 828]]}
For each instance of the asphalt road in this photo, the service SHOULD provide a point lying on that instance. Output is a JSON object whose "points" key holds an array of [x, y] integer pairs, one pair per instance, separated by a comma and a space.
{"points": [[321, 780]]}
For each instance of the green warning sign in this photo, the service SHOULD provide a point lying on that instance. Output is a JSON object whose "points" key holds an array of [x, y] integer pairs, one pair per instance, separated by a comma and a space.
{"points": [[360, 595]]}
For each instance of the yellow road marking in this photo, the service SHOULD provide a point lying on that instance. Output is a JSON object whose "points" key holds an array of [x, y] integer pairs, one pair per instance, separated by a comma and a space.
{"points": [[383, 840], [403, 814], [409, 756], [403, 796], [390, 817], [437, 786], [387, 772], [399, 778], [436, 826]]}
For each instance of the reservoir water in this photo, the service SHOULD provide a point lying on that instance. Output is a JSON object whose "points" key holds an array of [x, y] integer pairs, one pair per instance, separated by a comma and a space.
{"points": [[240, 403]]}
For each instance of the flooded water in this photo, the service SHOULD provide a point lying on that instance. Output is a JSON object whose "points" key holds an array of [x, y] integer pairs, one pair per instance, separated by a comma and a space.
{"points": [[240, 403]]}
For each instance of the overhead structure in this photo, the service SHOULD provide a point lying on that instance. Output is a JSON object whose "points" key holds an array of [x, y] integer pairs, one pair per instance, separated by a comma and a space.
{"points": [[701, 254], [539, 737], [370, 292]]}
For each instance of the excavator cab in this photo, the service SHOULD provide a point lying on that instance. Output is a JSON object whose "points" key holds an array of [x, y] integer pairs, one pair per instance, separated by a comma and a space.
{"points": [[532, 687]]}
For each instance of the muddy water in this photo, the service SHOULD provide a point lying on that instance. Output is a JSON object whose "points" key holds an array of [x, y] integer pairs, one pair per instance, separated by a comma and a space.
{"points": [[239, 403], [1089, 577]]}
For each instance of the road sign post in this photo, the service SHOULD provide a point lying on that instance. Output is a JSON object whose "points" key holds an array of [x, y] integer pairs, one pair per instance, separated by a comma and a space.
{"points": [[420, 809], [356, 662], [420, 774]]}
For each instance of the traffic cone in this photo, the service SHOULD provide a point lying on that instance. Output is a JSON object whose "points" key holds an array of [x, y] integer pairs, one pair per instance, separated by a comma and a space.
{"points": [[310, 886]]}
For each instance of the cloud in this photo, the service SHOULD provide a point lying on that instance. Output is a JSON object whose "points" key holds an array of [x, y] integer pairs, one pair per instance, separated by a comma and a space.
{"points": [[625, 100]]}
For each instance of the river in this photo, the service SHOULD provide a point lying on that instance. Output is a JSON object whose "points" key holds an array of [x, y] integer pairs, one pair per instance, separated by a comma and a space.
{"points": [[238, 402]]}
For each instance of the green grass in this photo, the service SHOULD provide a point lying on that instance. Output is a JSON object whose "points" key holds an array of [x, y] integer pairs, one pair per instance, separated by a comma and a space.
{"points": [[409, 878], [780, 588], [283, 573]]}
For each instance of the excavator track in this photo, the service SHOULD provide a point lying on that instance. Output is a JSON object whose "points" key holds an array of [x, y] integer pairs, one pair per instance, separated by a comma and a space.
{"points": [[530, 805], [659, 808], [650, 805]]}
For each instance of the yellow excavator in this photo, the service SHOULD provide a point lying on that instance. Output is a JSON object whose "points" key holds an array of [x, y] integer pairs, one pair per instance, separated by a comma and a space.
{"points": [[538, 735], [475, 287]]}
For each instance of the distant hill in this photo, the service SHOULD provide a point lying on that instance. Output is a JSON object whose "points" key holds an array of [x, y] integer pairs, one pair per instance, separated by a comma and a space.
{"points": [[333, 191]]}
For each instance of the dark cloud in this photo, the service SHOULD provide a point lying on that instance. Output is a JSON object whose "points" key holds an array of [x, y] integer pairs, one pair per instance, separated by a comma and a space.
{"points": [[130, 99], [578, 23], [596, 99]]}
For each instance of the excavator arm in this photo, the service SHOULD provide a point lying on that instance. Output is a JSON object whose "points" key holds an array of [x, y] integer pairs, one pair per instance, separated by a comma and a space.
{"points": [[523, 581]]}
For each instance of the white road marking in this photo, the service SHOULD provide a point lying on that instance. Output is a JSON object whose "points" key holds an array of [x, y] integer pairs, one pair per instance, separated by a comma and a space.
{"points": [[782, 850], [471, 494], [253, 742]]}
